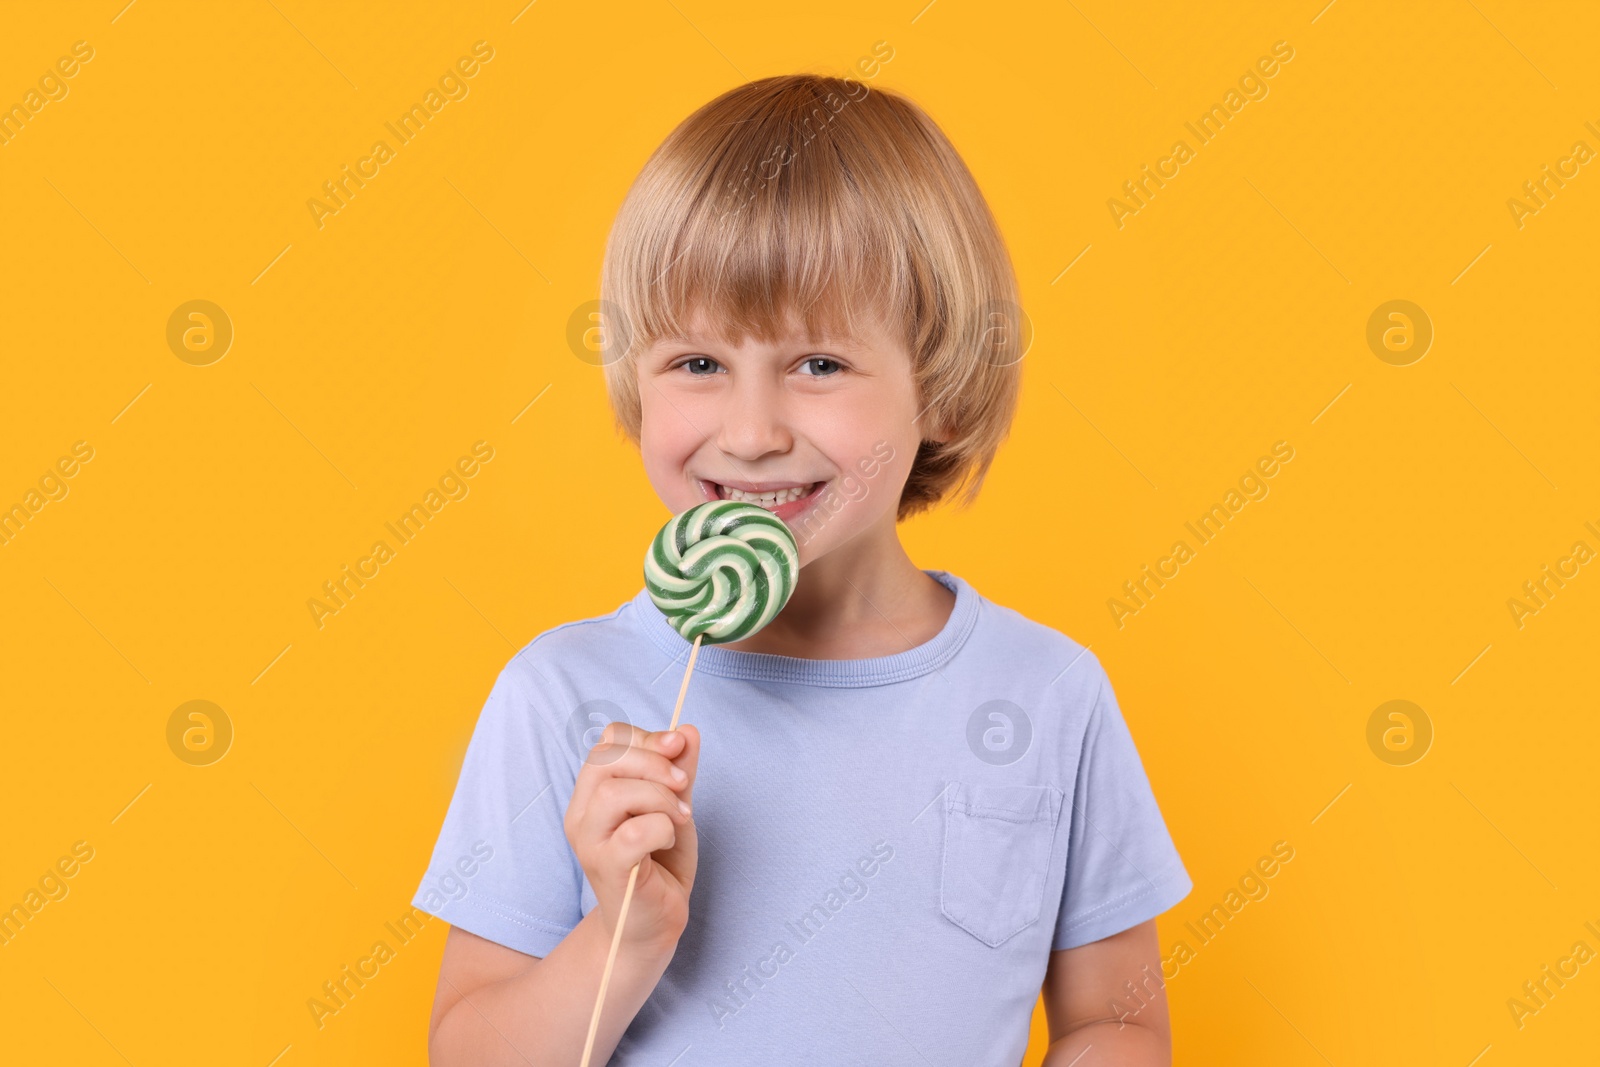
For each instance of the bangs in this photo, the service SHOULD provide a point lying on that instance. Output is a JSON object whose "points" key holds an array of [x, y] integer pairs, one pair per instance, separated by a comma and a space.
{"points": [[772, 222]]}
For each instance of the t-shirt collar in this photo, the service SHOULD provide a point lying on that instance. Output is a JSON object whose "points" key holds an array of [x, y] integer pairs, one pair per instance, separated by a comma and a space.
{"points": [[844, 673]]}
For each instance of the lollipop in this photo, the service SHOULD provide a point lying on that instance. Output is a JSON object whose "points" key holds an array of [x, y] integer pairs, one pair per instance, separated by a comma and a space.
{"points": [[719, 572]]}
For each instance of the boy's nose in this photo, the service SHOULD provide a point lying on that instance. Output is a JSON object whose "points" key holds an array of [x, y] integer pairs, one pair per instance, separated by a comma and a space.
{"points": [[754, 424]]}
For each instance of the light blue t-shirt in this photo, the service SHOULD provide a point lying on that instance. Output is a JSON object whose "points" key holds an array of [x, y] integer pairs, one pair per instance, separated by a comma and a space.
{"points": [[890, 848]]}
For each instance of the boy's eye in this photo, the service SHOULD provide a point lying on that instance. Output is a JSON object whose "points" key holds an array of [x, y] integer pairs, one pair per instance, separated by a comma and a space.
{"points": [[696, 363], [822, 372]]}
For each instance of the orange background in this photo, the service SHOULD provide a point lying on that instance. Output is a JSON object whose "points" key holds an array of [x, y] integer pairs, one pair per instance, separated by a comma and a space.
{"points": [[1228, 313]]}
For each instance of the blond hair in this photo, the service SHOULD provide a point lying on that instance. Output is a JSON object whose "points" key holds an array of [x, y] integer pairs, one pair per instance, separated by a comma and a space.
{"points": [[816, 197]]}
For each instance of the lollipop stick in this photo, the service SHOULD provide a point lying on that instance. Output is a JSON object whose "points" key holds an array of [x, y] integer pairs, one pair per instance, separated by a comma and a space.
{"points": [[633, 877]]}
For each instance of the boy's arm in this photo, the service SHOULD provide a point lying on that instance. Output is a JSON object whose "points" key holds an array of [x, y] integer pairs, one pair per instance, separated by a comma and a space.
{"points": [[1089, 1008], [495, 1005]]}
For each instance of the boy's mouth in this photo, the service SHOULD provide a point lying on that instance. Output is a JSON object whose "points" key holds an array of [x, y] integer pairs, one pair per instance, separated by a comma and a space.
{"points": [[784, 501]]}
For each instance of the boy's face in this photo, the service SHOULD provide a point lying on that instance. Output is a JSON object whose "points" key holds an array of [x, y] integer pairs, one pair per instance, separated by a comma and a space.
{"points": [[827, 422]]}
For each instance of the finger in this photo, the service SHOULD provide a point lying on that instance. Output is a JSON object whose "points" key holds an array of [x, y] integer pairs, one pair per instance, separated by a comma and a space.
{"points": [[616, 800], [619, 732], [688, 760], [642, 760], [634, 840], [618, 737]]}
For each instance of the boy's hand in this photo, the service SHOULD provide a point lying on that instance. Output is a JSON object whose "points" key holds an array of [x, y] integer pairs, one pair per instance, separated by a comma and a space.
{"points": [[624, 810]]}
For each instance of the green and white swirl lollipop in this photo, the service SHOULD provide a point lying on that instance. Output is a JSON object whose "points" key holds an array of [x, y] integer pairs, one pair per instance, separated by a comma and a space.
{"points": [[722, 570]]}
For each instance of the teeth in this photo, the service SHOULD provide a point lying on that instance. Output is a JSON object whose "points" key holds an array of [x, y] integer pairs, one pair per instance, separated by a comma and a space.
{"points": [[775, 498]]}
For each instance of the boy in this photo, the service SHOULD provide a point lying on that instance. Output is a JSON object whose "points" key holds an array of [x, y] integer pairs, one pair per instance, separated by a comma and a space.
{"points": [[920, 807]]}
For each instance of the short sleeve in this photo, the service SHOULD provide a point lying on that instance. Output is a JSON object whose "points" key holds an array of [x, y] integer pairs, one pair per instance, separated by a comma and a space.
{"points": [[502, 867], [1122, 867]]}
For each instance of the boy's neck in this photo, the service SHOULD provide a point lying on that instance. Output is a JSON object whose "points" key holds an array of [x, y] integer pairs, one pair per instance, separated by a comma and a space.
{"points": [[860, 601]]}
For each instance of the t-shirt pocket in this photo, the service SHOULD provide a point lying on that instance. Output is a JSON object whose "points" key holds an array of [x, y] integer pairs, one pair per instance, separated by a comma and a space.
{"points": [[996, 862]]}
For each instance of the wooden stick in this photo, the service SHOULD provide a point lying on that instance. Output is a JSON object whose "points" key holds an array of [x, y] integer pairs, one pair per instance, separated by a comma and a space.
{"points": [[633, 876]]}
